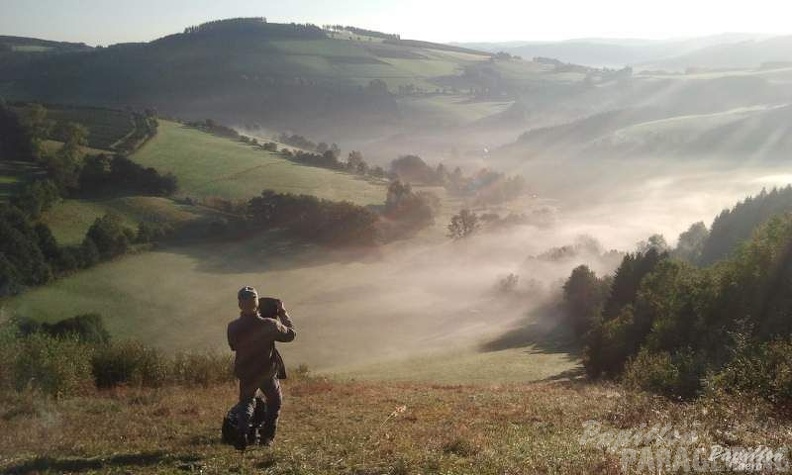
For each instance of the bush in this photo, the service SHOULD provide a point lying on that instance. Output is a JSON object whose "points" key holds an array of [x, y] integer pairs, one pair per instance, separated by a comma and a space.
{"points": [[88, 328], [74, 356], [763, 370], [202, 369], [57, 367], [679, 374], [109, 236], [8, 337], [150, 232], [129, 362]]}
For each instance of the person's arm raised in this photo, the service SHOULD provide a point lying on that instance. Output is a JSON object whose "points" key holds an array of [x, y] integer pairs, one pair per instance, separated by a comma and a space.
{"points": [[283, 333], [284, 316]]}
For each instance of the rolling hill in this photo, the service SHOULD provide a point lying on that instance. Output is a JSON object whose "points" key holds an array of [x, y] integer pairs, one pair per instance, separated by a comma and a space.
{"points": [[747, 53], [728, 117], [211, 166], [332, 85], [617, 53]]}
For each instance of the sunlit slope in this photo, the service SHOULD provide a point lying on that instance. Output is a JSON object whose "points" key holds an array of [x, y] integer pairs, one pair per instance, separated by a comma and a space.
{"points": [[211, 166], [733, 118], [351, 310], [746, 133], [70, 219]]}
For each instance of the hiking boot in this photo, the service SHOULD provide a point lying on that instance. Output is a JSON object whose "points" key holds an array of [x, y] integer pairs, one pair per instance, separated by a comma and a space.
{"points": [[241, 441], [267, 442]]}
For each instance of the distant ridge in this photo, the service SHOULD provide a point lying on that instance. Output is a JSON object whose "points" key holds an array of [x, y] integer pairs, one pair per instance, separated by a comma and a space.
{"points": [[21, 41]]}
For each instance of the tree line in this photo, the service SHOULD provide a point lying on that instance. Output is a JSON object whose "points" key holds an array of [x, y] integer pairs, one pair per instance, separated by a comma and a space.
{"points": [[364, 32], [29, 253], [342, 224], [313, 219], [678, 328], [485, 187], [69, 171], [257, 25]]}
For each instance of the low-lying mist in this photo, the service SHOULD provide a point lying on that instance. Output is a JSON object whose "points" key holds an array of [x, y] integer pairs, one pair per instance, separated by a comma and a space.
{"points": [[441, 295], [427, 295]]}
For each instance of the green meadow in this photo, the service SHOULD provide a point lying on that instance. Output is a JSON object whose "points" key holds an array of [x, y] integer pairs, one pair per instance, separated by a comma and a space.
{"points": [[70, 219], [210, 166], [376, 314]]}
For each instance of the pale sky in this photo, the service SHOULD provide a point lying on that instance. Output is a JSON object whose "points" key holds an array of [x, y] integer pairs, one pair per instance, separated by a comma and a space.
{"points": [[109, 21]]}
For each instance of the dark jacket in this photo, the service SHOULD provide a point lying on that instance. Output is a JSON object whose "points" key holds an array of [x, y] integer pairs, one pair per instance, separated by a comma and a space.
{"points": [[253, 339]]}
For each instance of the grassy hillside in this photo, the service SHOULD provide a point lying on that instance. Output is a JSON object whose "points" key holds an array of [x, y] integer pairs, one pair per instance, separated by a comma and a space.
{"points": [[381, 296], [286, 77], [751, 132], [511, 365], [727, 117], [355, 427], [268, 50], [70, 219], [208, 166]]}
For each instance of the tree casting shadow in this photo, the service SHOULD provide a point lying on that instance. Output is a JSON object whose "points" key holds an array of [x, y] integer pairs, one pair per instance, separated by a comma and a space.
{"points": [[543, 331], [61, 465]]}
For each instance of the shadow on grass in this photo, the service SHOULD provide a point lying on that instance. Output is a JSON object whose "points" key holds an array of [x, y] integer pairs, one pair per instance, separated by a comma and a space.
{"points": [[572, 374], [16, 173], [76, 465], [542, 331], [267, 251]]}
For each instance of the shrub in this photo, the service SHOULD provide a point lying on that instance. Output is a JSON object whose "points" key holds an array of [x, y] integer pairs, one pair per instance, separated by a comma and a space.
{"points": [[759, 369], [56, 366], [129, 362], [8, 337], [679, 374], [201, 369], [109, 236], [88, 328]]}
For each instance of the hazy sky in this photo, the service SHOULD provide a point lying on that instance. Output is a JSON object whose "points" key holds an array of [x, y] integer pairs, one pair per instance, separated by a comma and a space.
{"points": [[109, 21]]}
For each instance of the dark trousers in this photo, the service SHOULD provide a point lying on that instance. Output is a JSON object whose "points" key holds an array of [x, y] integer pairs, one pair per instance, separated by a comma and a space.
{"points": [[272, 393]]}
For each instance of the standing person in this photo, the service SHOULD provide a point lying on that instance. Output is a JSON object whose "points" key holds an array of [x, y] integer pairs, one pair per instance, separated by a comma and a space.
{"points": [[258, 364]]}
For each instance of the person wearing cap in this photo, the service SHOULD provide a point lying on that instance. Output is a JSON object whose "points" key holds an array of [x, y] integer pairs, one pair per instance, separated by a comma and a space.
{"points": [[257, 364]]}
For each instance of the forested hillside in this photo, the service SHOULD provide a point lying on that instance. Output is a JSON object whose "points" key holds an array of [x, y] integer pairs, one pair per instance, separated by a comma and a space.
{"points": [[665, 324]]}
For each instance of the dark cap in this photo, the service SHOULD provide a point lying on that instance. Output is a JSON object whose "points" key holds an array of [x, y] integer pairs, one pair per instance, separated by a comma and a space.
{"points": [[247, 292]]}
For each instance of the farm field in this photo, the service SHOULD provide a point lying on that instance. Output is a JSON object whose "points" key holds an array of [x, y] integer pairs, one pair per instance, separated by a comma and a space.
{"points": [[450, 110], [70, 219], [210, 166]]}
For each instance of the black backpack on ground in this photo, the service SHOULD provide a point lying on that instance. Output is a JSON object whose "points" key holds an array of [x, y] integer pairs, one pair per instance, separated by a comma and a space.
{"points": [[229, 429]]}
